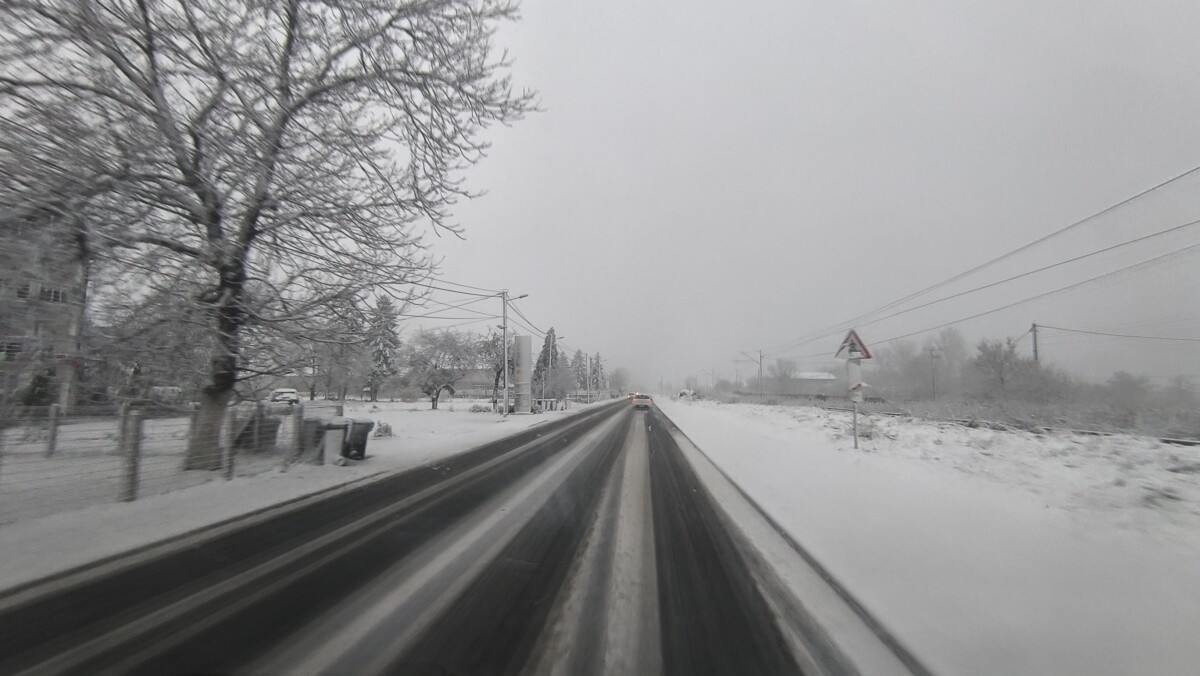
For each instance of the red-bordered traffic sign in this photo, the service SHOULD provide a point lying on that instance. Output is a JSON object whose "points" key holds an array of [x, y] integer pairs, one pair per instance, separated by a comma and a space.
{"points": [[853, 347]]}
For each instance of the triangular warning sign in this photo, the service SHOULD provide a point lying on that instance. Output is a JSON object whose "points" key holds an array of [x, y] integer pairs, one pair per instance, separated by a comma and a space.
{"points": [[853, 347]]}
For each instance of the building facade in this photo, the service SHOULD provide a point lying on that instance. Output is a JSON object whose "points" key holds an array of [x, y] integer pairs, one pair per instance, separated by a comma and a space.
{"points": [[43, 282]]}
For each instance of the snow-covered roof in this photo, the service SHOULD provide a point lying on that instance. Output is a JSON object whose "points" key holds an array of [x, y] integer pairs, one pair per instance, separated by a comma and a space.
{"points": [[815, 375]]}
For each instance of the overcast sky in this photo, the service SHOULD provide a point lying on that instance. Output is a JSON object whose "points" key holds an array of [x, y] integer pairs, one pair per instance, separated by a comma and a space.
{"points": [[708, 177]]}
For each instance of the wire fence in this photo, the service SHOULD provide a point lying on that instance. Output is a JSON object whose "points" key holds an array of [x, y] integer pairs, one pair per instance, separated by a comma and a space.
{"points": [[51, 462]]}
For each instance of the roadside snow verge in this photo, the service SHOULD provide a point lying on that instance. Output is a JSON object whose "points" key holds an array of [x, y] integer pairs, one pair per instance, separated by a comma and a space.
{"points": [[983, 553], [36, 548]]}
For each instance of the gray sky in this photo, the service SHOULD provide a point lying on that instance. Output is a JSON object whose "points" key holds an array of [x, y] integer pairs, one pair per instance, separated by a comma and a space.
{"points": [[709, 177]]}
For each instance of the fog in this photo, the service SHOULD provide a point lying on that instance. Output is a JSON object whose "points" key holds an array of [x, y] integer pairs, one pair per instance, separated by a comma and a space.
{"points": [[703, 180]]}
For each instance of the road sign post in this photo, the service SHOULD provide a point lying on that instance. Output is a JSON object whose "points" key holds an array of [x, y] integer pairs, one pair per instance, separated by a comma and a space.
{"points": [[854, 350]]}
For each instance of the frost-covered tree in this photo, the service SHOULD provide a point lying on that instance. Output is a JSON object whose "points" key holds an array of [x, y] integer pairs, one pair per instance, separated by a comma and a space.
{"points": [[1129, 396], [490, 354], [549, 356], [382, 342], [597, 373], [996, 364], [619, 378], [277, 156], [440, 359], [579, 369]]}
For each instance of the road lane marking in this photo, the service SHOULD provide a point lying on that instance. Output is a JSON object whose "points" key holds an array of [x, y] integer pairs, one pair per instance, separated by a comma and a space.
{"points": [[419, 589]]}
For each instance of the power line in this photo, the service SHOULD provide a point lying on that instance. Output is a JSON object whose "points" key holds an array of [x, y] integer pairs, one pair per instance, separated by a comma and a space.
{"points": [[473, 321], [851, 322], [465, 293], [468, 286], [530, 324], [1032, 272], [1120, 335], [460, 306], [1047, 293]]}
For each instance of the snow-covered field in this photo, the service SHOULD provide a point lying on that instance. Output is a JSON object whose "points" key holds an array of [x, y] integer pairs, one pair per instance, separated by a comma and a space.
{"points": [[985, 552], [35, 547]]}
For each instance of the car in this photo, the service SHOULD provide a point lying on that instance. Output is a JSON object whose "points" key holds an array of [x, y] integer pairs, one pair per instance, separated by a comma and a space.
{"points": [[285, 395], [642, 401]]}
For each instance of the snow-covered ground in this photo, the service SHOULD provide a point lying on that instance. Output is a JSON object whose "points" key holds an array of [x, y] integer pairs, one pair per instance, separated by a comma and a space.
{"points": [[985, 552], [36, 547]]}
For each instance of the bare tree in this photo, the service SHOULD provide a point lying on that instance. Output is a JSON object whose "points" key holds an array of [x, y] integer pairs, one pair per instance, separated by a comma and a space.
{"points": [[439, 360], [783, 369], [997, 364], [278, 155], [489, 351], [619, 378]]}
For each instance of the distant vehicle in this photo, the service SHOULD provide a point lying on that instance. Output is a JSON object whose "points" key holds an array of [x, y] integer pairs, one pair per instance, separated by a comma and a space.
{"points": [[285, 395], [642, 401]]}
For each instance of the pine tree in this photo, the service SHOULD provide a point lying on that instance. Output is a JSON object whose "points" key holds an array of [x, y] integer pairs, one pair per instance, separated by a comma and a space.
{"points": [[383, 343], [597, 373], [579, 368]]}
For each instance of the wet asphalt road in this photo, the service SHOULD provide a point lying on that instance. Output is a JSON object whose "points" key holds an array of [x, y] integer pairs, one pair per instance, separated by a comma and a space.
{"points": [[583, 546]]}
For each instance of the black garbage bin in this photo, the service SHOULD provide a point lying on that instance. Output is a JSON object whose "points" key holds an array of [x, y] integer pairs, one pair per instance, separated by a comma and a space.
{"points": [[355, 446]]}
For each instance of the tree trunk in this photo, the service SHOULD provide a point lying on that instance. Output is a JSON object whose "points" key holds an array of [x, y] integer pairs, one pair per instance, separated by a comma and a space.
{"points": [[496, 390], [204, 443], [204, 440]]}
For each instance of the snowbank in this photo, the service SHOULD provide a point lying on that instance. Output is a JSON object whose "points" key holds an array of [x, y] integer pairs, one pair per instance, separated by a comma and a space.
{"points": [[34, 548], [986, 552]]}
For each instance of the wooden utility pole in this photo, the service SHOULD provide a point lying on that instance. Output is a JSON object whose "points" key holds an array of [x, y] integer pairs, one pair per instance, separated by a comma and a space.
{"points": [[1036, 359]]}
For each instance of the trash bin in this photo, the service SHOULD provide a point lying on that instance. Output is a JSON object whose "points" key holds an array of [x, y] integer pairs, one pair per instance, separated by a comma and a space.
{"points": [[336, 431], [355, 446], [312, 436]]}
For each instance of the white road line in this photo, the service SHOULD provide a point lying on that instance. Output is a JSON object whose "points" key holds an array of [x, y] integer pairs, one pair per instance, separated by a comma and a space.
{"points": [[425, 584], [632, 639]]}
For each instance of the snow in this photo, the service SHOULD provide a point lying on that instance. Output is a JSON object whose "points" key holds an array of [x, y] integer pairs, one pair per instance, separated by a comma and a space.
{"points": [[36, 547], [986, 552]]}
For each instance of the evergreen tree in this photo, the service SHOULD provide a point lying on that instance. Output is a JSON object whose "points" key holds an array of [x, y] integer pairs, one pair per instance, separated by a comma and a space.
{"points": [[551, 355], [579, 368], [597, 375], [383, 343]]}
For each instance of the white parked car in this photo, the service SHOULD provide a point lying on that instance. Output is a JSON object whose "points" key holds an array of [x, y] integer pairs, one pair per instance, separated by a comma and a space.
{"points": [[285, 395]]}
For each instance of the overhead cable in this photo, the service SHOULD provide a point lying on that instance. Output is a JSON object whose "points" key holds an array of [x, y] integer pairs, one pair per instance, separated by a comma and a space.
{"points": [[1120, 335], [851, 322]]}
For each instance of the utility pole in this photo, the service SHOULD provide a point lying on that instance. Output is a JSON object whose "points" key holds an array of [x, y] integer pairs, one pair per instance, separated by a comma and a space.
{"points": [[587, 369], [933, 370], [760, 380], [760, 375], [1033, 329], [504, 294]]}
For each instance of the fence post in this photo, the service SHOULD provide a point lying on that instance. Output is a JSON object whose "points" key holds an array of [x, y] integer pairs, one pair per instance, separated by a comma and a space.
{"points": [[52, 430], [298, 430], [231, 433], [122, 418], [131, 435], [259, 419]]}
